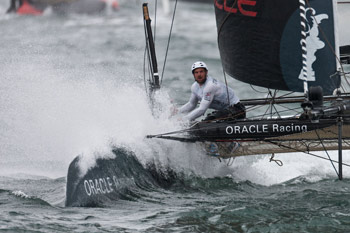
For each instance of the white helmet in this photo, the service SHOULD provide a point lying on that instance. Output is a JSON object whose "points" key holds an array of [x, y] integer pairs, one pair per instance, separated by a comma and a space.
{"points": [[199, 64]]}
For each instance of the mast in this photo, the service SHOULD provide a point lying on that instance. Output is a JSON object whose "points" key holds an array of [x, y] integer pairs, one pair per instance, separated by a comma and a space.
{"points": [[154, 82]]}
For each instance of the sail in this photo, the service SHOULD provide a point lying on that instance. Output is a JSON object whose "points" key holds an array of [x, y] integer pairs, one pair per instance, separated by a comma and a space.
{"points": [[260, 43]]}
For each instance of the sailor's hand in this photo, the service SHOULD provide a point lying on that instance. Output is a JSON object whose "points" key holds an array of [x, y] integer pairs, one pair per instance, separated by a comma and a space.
{"points": [[173, 111]]}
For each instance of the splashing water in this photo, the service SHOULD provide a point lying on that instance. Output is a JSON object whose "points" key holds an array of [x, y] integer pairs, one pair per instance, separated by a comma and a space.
{"points": [[70, 88]]}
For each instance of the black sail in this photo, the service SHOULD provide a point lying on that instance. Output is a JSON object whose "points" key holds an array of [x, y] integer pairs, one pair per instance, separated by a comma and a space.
{"points": [[260, 43]]}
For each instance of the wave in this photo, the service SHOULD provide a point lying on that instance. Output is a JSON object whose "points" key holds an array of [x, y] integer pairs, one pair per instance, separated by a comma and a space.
{"points": [[17, 197], [123, 177], [112, 178]]}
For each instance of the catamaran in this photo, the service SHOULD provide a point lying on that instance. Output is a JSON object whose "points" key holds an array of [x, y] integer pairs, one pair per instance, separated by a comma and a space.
{"points": [[288, 46], [282, 46]]}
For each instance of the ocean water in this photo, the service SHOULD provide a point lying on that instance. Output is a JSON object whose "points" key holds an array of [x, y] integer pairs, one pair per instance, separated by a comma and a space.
{"points": [[74, 85]]}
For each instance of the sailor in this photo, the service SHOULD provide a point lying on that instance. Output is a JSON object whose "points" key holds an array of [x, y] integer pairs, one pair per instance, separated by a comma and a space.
{"points": [[211, 94]]}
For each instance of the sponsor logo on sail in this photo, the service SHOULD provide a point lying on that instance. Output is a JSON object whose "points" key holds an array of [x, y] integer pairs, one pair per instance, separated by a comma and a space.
{"points": [[244, 7], [313, 42]]}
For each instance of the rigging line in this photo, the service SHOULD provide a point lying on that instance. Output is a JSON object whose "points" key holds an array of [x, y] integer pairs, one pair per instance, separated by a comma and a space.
{"points": [[188, 130], [167, 48], [180, 139], [308, 153], [345, 141], [273, 105], [289, 109], [223, 69], [228, 95], [270, 102], [325, 150], [252, 108], [267, 109], [277, 161], [225, 19], [276, 111], [326, 39], [333, 82], [282, 96], [296, 109], [249, 109], [266, 99], [282, 111], [293, 98], [269, 95], [174, 132], [262, 92]]}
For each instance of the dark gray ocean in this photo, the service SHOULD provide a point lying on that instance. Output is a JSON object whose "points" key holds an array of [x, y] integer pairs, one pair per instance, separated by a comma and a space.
{"points": [[74, 85]]}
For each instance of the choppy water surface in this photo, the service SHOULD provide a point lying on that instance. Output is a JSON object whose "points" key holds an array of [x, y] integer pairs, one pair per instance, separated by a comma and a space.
{"points": [[73, 86]]}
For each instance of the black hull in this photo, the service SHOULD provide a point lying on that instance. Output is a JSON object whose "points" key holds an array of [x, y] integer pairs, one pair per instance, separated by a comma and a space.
{"points": [[112, 179], [255, 130], [252, 137]]}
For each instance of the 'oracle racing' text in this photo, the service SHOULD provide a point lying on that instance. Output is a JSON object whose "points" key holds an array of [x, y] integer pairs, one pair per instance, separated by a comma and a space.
{"points": [[265, 128], [105, 185]]}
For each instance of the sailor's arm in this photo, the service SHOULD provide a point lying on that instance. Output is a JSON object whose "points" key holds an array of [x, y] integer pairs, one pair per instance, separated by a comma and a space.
{"points": [[190, 105], [204, 105], [208, 96]]}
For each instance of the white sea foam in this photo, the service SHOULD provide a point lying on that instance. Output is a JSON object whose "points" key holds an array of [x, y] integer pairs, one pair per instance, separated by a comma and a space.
{"points": [[259, 170], [19, 193]]}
